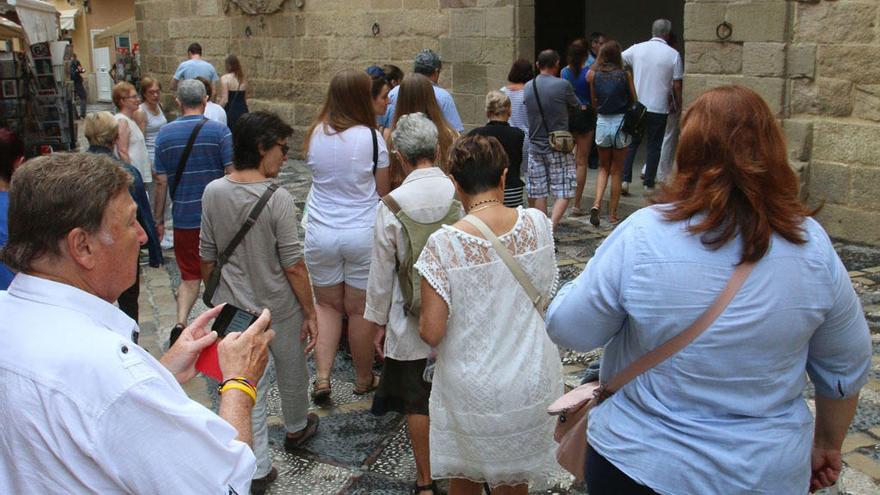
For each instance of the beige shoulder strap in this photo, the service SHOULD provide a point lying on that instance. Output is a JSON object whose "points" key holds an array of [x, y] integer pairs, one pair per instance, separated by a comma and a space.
{"points": [[539, 301]]}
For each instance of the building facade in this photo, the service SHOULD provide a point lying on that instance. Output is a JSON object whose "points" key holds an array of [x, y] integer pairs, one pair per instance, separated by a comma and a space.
{"points": [[814, 61]]}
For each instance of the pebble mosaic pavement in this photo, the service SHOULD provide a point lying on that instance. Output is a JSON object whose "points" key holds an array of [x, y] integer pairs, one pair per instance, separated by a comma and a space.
{"points": [[358, 453]]}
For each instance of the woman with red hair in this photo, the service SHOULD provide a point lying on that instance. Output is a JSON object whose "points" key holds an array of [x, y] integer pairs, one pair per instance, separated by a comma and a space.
{"points": [[726, 414]]}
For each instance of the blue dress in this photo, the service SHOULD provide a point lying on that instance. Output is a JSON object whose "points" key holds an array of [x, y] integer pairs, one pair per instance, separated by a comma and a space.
{"points": [[235, 107]]}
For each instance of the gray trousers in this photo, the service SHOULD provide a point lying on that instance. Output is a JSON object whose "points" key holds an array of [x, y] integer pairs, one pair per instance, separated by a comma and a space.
{"points": [[292, 374]]}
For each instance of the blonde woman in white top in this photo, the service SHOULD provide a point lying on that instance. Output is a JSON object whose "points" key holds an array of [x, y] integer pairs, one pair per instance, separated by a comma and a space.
{"points": [[131, 147]]}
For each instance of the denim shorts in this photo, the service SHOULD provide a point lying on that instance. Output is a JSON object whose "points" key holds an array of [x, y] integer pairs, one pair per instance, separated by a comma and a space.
{"points": [[608, 132]]}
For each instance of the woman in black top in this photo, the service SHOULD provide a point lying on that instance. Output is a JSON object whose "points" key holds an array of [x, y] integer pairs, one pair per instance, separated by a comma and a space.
{"points": [[511, 139]]}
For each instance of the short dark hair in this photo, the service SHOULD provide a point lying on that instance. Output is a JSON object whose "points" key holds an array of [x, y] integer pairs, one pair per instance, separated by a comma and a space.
{"points": [[11, 149], [521, 72], [595, 35], [253, 132], [209, 89], [477, 163], [548, 58], [195, 49], [54, 194], [393, 73]]}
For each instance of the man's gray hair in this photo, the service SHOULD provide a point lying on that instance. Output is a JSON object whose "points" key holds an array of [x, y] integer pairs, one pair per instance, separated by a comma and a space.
{"points": [[661, 28], [190, 93], [415, 137]]}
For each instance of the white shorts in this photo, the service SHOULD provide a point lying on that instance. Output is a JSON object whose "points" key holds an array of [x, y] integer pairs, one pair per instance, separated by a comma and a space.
{"points": [[334, 256], [609, 134]]}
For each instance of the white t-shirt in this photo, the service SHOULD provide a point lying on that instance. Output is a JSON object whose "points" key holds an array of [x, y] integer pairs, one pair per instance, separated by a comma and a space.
{"points": [[655, 65], [215, 112], [343, 186]]}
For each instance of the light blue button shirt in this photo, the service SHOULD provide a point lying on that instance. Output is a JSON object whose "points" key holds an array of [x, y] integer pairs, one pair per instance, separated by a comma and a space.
{"points": [[444, 100], [726, 414]]}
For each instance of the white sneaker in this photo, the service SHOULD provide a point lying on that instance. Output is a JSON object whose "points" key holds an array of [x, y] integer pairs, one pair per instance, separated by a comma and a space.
{"points": [[624, 188], [167, 241]]}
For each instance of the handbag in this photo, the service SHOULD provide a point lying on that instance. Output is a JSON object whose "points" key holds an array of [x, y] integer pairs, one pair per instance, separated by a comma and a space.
{"points": [[561, 141], [214, 278], [181, 165], [573, 408], [634, 119]]}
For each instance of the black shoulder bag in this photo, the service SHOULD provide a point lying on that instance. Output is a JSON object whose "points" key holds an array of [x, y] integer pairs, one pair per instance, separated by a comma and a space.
{"points": [[214, 279], [181, 165], [375, 150], [634, 118]]}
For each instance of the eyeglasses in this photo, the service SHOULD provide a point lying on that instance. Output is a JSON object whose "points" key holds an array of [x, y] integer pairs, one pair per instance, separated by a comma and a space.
{"points": [[153, 91], [130, 97], [284, 148]]}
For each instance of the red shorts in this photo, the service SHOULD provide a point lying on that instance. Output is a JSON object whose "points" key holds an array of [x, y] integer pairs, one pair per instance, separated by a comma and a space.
{"points": [[186, 252]]}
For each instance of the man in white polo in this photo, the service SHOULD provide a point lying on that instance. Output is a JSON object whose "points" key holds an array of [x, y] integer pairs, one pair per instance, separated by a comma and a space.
{"points": [[657, 73], [84, 409]]}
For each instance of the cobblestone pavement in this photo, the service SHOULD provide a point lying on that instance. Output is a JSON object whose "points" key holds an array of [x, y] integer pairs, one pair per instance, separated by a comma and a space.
{"points": [[357, 453]]}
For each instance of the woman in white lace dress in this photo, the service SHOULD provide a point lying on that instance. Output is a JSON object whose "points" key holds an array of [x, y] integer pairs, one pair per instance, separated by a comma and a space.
{"points": [[497, 371]]}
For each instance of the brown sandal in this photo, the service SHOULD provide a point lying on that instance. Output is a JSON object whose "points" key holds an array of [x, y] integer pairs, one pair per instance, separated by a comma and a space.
{"points": [[361, 390], [321, 390]]}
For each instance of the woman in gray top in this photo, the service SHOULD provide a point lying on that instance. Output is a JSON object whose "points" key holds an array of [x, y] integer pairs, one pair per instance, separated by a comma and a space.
{"points": [[266, 270]]}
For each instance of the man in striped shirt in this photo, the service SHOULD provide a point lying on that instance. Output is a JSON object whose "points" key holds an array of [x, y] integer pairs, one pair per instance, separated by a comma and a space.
{"points": [[210, 158]]}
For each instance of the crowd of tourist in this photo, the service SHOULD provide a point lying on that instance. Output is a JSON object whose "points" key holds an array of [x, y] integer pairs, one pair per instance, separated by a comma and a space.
{"points": [[416, 244]]}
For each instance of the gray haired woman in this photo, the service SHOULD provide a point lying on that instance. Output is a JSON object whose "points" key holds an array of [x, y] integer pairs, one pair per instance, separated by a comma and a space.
{"points": [[406, 218]]}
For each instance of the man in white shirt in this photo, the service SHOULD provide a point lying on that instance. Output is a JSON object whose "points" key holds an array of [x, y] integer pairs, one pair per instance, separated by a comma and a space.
{"points": [[657, 73], [84, 409], [213, 111], [426, 197]]}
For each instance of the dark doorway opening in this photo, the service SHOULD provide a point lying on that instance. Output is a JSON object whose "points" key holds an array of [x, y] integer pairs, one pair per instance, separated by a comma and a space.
{"points": [[558, 22]]}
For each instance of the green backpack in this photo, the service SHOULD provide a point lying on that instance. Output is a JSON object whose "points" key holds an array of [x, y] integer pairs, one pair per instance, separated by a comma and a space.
{"points": [[416, 235]]}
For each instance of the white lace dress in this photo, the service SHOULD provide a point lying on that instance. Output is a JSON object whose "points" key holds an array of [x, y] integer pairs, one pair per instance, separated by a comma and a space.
{"points": [[497, 370]]}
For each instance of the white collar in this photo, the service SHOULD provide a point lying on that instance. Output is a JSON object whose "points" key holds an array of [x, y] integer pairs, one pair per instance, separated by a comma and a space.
{"points": [[421, 173], [657, 38], [51, 293]]}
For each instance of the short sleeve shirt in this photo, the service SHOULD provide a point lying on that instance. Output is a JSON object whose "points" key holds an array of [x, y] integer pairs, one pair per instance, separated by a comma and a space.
{"points": [[254, 276], [444, 101], [194, 68], [655, 65], [557, 96], [343, 186], [211, 153]]}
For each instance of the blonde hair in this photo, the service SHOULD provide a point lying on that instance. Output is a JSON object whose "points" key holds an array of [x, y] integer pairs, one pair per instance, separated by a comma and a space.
{"points": [[497, 103], [101, 129], [120, 91]]}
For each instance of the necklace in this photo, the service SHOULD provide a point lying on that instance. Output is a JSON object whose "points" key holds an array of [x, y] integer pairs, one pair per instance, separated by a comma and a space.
{"points": [[488, 202]]}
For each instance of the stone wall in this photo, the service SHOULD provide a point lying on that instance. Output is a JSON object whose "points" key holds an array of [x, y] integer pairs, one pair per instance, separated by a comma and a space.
{"points": [[291, 55], [816, 64]]}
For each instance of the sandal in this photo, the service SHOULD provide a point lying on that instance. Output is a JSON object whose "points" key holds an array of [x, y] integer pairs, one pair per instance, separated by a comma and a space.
{"points": [[417, 489], [594, 216], [321, 390], [361, 390], [293, 443]]}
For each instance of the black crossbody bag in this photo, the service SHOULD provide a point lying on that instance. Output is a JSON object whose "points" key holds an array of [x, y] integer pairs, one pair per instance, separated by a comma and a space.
{"points": [[214, 279]]}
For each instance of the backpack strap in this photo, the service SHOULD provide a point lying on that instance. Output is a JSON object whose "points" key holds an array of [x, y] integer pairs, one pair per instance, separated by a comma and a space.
{"points": [[375, 150], [392, 204]]}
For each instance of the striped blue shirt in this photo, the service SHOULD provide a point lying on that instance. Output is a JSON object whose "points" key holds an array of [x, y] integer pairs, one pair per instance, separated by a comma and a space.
{"points": [[727, 413], [211, 153]]}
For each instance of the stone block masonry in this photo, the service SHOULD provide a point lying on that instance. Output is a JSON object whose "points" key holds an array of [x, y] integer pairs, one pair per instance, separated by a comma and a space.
{"points": [[815, 63], [291, 55]]}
